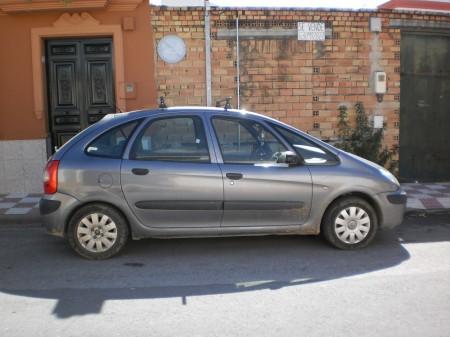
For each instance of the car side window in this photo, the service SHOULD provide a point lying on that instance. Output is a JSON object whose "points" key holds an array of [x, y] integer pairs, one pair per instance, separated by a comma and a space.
{"points": [[311, 153], [111, 144], [180, 139], [246, 142]]}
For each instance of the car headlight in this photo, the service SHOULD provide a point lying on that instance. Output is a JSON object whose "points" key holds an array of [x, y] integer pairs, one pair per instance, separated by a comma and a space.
{"points": [[389, 176]]}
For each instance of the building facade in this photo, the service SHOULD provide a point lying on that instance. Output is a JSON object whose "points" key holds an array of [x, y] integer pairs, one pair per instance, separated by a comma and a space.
{"points": [[63, 66], [266, 68]]}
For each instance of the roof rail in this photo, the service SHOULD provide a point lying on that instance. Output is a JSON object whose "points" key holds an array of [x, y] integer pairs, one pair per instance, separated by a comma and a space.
{"points": [[227, 101], [162, 103]]}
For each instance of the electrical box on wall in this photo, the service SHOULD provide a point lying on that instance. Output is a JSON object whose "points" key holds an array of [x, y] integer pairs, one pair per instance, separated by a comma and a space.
{"points": [[375, 24], [130, 90], [378, 122], [380, 82]]}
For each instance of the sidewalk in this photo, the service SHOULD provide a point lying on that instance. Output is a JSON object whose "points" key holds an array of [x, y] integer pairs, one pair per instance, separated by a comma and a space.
{"points": [[432, 196], [19, 208], [24, 208]]}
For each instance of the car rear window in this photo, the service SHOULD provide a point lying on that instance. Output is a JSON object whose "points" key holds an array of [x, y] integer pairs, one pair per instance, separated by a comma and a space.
{"points": [[111, 144]]}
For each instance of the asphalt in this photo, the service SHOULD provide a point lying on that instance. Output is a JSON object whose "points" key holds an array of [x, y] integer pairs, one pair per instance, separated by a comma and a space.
{"points": [[253, 286], [26, 220]]}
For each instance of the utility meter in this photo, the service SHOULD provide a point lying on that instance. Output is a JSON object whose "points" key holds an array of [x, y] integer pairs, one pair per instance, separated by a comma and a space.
{"points": [[380, 82]]}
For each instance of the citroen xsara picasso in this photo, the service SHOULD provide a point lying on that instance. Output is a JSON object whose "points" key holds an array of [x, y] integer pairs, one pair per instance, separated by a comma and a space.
{"points": [[198, 172]]}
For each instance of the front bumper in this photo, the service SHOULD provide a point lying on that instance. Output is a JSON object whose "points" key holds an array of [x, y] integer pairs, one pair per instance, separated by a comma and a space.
{"points": [[55, 210], [392, 208]]}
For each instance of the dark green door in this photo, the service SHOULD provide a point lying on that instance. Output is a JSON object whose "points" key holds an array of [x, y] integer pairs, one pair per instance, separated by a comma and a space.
{"points": [[80, 85], [425, 108]]}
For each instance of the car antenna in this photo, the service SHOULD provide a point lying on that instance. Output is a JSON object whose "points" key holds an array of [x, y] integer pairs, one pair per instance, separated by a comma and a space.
{"points": [[227, 101], [162, 103]]}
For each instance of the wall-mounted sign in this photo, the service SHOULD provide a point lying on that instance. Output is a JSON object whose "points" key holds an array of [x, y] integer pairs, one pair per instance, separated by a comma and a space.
{"points": [[311, 31], [171, 49]]}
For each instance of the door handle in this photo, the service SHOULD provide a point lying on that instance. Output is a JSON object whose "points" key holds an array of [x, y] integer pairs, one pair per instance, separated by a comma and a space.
{"points": [[234, 176], [140, 171]]}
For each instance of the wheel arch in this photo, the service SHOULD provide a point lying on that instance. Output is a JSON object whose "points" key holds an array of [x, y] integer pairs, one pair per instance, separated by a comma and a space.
{"points": [[366, 197], [89, 203]]}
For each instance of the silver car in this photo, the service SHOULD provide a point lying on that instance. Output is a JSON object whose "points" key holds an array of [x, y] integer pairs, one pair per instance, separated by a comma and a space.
{"points": [[202, 172]]}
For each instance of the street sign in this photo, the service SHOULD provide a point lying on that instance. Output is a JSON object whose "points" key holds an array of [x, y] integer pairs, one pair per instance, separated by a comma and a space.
{"points": [[311, 31]]}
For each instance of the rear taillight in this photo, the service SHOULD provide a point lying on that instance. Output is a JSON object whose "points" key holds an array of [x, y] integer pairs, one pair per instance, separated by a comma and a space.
{"points": [[51, 177]]}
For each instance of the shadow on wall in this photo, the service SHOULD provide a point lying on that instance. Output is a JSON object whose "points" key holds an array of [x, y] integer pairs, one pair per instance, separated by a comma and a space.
{"points": [[35, 265]]}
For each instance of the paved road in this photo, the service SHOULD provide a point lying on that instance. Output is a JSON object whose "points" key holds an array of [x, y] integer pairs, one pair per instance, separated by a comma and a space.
{"points": [[260, 286]]}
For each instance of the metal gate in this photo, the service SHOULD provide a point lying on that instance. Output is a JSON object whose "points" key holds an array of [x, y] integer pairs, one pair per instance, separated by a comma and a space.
{"points": [[425, 107], [80, 85]]}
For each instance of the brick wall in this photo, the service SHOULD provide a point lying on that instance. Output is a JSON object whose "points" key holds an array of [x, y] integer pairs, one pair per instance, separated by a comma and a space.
{"points": [[182, 83], [299, 82]]}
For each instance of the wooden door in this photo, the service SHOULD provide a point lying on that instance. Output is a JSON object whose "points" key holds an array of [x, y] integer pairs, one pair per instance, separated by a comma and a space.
{"points": [[80, 85]]}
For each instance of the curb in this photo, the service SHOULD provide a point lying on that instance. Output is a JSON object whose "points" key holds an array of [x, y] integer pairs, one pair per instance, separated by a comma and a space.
{"points": [[20, 220], [425, 212]]}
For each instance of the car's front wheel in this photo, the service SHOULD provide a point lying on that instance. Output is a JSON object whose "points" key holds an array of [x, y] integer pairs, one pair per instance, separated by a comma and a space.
{"points": [[97, 231], [350, 223]]}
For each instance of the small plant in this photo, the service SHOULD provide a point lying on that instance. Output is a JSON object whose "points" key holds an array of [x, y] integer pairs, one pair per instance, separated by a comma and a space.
{"points": [[363, 140], [343, 129]]}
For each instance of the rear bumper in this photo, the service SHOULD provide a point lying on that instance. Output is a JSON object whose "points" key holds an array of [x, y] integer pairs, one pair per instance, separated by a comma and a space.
{"points": [[55, 210], [392, 207]]}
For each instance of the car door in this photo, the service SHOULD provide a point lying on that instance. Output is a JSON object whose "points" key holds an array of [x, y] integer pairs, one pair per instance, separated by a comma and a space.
{"points": [[257, 190], [169, 175]]}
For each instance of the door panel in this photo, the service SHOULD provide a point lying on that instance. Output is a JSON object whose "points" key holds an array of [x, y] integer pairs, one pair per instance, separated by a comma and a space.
{"points": [[174, 194], [64, 81], [266, 195], [65, 77], [99, 80], [97, 83], [425, 108], [80, 85], [258, 191]]}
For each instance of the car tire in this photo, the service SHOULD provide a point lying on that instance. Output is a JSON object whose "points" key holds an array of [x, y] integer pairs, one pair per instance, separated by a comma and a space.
{"points": [[349, 223], [97, 231]]}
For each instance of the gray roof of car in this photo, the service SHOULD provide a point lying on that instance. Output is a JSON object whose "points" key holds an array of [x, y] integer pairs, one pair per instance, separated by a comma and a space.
{"points": [[177, 109]]}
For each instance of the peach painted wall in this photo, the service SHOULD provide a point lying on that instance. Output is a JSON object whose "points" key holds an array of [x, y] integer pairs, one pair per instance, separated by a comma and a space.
{"points": [[17, 118]]}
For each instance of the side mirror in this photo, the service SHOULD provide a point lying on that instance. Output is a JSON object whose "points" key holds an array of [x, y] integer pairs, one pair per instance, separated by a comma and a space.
{"points": [[290, 158]]}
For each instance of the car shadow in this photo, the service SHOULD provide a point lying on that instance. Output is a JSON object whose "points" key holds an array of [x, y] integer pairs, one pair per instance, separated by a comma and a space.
{"points": [[36, 265]]}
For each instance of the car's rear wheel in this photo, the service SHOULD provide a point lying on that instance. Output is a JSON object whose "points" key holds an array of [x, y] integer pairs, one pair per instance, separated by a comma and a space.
{"points": [[350, 223], [97, 231]]}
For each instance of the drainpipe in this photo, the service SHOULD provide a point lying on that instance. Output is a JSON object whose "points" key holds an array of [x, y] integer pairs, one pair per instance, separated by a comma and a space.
{"points": [[208, 53], [238, 78]]}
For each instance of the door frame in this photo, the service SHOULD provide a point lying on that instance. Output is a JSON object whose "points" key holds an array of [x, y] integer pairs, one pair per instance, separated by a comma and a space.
{"points": [[74, 26], [152, 165], [258, 206]]}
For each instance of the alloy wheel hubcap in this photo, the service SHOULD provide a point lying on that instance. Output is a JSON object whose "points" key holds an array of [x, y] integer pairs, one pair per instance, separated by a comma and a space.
{"points": [[97, 232], [352, 225]]}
